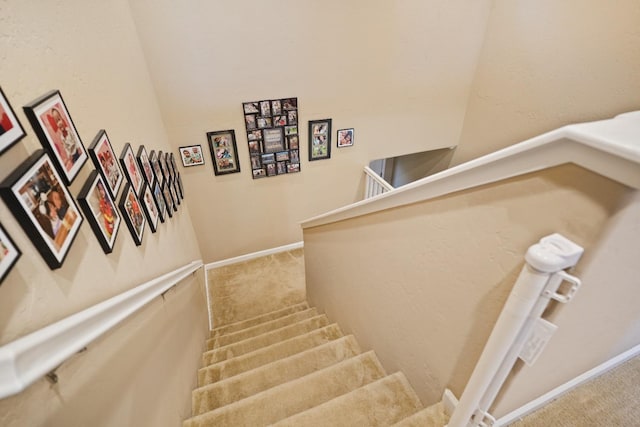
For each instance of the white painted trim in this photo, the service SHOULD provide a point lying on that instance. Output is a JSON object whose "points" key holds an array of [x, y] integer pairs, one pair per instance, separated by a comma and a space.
{"points": [[27, 359], [608, 147], [253, 255], [206, 289], [449, 402], [566, 387]]}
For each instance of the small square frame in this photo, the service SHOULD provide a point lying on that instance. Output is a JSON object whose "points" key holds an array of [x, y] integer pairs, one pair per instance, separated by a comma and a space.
{"points": [[224, 151], [11, 130], [345, 138]]}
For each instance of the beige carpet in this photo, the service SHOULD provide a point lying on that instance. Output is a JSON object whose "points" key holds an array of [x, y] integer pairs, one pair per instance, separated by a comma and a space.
{"points": [[273, 360], [611, 400]]}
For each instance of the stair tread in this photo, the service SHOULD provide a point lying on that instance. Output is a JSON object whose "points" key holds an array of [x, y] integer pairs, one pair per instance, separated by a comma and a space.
{"points": [[242, 324], [261, 328], [236, 365], [248, 383], [295, 396], [432, 416], [268, 338], [380, 403]]}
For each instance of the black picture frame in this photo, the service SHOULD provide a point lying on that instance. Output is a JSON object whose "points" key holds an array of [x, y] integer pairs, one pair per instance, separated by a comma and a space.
{"points": [[52, 123], [106, 163], [180, 186], [131, 210], [48, 214], [161, 204], [100, 210], [168, 198], [319, 139], [9, 253], [155, 165], [150, 208], [145, 165], [11, 130], [191, 155], [224, 151], [131, 168]]}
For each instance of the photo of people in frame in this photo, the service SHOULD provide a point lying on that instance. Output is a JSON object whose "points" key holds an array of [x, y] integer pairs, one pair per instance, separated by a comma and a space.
{"points": [[100, 210], [105, 161], [132, 211], [345, 138], [11, 130], [131, 168], [191, 155]]}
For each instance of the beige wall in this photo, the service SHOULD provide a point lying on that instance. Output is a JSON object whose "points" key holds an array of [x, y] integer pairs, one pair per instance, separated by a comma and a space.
{"points": [[545, 64], [423, 284], [90, 52], [398, 72]]}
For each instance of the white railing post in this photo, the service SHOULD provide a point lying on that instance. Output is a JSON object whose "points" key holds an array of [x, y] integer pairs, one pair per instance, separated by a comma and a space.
{"points": [[374, 184], [537, 284]]}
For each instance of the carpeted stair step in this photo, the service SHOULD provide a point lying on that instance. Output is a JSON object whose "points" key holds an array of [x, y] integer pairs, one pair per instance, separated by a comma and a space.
{"points": [[228, 368], [433, 416], [224, 392], [266, 339], [380, 403], [244, 324], [294, 396], [261, 328]]}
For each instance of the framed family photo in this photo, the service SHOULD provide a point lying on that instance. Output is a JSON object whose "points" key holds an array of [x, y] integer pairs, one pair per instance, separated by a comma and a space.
{"points": [[319, 139], [132, 212], [100, 210], [11, 130], [224, 151], [191, 155], [52, 123], [160, 203], [145, 165], [36, 196], [345, 138], [150, 208], [9, 254], [104, 159], [131, 169], [155, 165]]}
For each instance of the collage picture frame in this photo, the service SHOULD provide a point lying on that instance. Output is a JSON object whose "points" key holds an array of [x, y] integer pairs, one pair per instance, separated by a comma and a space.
{"points": [[319, 139], [52, 123], [224, 151]]}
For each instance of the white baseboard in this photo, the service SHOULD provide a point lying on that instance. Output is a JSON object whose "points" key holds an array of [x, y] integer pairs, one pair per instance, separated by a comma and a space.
{"points": [[564, 388], [253, 255]]}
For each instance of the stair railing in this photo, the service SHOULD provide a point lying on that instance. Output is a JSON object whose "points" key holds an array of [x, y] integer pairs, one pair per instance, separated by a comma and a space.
{"points": [[520, 331], [374, 184], [40, 353]]}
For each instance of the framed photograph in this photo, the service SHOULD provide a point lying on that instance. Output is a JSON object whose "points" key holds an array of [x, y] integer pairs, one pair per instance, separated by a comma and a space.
{"points": [[104, 159], [36, 196], [224, 151], [264, 122], [145, 165], [292, 117], [168, 166], [293, 167], [251, 107], [174, 195], [273, 140], [155, 165], [162, 161], [131, 168], [282, 156], [52, 123], [259, 173], [319, 139], [271, 169], [150, 208], [9, 253], [132, 212], [276, 107], [168, 198], [345, 138], [161, 205], [293, 142], [268, 159], [180, 187], [281, 167], [11, 130], [100, 210], [172, 163]]}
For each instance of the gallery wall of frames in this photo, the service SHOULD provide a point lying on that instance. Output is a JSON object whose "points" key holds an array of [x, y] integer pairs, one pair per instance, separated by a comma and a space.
{"points": [[141, 188]]}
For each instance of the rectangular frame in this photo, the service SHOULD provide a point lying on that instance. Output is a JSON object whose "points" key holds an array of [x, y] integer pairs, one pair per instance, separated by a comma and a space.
{"points": [[100, 210], [9, 253], [224, 151], [160, 202], [145, 165], [52, 123], [131, 168], [132, 212], [150, 207], [319, 139], [155, 165], [191, 155], [11, 130], [345, 138], [104, 159], [43, 206]]}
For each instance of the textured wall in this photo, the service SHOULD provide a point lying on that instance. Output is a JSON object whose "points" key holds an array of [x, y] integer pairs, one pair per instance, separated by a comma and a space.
{"points": [[548, 63], [398, 72], [423, 284], [90, 52]]}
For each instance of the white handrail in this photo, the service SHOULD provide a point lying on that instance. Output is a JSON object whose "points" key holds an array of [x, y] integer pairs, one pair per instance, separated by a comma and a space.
{"points": [[25, 360], [608, 147], [374, 184], [536, 286]]}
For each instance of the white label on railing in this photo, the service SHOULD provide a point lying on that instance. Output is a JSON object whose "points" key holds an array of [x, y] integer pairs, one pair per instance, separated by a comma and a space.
{"points": [[541, 333]]}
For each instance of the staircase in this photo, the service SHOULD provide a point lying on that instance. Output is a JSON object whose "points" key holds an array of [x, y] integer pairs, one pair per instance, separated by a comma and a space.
{"points": [[292, 367]]}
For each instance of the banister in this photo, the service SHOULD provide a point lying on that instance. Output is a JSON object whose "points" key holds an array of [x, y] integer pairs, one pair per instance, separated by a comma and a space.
{"points": [[608, 147], [31, 357], [375, 184]]}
